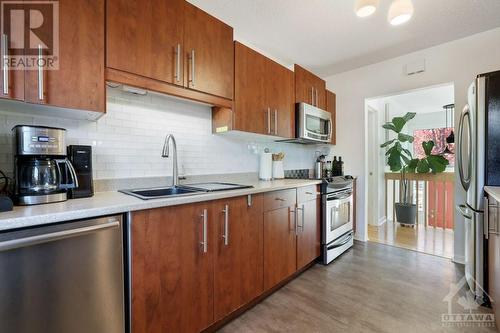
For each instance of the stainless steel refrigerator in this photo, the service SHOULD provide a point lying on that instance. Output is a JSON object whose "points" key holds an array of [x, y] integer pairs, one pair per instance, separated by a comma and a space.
{"points": [[478, 163]]}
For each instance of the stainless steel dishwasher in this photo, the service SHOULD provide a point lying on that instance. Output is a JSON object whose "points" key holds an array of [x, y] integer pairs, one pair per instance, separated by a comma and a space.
{"points": [[63, 278]]}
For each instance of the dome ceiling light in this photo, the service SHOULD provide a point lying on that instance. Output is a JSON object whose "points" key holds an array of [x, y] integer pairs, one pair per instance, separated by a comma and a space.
{"points": [[400, 12], [365, 8]]}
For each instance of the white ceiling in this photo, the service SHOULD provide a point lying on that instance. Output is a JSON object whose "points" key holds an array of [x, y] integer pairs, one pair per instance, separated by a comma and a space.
{"points": [[327, 37], [420, 101]]}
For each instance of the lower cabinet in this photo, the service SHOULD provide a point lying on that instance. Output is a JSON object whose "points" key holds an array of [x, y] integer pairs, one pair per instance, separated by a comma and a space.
{"points": [[238, 253], [172, 270], [308, 232], [494, 256], [192, 265]]}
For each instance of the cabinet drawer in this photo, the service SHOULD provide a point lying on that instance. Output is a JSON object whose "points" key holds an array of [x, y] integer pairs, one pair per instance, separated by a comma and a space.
{"points": [[308, 193], [279, 199]]}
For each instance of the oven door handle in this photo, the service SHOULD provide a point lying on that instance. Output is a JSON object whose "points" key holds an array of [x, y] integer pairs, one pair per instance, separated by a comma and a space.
{"points": [[342, 243], [339, 197]]}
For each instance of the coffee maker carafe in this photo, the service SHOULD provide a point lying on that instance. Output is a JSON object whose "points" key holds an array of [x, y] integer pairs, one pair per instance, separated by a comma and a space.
{"points": [[42, 171]]}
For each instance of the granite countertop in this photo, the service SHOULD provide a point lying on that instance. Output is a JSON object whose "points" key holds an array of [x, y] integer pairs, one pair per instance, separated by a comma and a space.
{"points": [[493, 191], [112, 202]]}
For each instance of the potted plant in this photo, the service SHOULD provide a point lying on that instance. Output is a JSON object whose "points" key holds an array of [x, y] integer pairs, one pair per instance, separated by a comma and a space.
{"points": [[400, 159]]}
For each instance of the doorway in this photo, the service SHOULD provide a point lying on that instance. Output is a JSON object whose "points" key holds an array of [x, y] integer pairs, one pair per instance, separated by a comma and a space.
{"points": [[431, 194]]}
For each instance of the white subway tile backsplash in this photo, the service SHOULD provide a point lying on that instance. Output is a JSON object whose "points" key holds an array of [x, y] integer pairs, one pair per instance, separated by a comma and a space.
{"points": [[128, 140]]}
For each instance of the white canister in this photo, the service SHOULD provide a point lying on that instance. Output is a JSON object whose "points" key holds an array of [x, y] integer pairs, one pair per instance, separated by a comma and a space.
{"points": [[278, 171], [266, 166]]}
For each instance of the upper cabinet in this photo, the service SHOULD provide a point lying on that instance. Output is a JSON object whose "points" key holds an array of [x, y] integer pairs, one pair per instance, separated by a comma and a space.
{"points": [[331, 106], [146, 37], [309, 88], [79, 82], [209, 51], [172, 47], [263, 102]]}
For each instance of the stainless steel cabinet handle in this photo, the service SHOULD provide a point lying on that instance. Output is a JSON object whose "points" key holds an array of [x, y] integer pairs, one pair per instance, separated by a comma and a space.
{"points": [[226, 225], [39, 239], [40, 72], [301, 226], [193, 69], [268, 120], [295, 212], [280, 199], [311, 193], [5, 59], [312, 95], [249, 200], [204, 243], [178, 63], [317, 97], [275, 122]]}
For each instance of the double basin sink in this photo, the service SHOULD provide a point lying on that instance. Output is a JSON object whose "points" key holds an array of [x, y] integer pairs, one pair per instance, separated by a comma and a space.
{"points": [[182, 190]]}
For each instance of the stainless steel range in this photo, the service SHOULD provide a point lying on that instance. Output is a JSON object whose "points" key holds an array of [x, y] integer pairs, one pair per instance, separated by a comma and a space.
{"points": [[337, 217]]}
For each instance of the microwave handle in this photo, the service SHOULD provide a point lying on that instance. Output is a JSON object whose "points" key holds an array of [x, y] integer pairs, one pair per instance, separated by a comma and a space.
{"points": [[72, 172]]}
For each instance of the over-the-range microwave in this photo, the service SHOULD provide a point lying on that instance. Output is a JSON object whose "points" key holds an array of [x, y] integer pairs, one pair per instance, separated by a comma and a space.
{"points": [[312, 125]]}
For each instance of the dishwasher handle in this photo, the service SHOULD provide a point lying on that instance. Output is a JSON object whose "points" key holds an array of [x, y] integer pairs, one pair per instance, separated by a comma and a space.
{"points": [[54, 236]]}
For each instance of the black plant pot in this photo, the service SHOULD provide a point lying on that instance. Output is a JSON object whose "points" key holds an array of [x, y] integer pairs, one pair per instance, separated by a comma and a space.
{"points": [[406, 213]]}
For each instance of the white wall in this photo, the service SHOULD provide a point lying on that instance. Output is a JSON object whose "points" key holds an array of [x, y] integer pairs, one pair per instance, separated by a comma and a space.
{"points": [[458, 62], [128, 140]]}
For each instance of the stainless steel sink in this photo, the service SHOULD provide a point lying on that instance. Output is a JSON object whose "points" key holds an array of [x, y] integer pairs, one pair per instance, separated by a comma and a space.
{"points": [[162, 192], [182, 190]]}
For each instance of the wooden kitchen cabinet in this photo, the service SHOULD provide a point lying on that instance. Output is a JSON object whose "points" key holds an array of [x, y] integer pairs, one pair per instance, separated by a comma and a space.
{"points": [[172, 275], [146, 37], [280, 243], [331, 106], [238, 264], [280, 86], [309, 88], [79, 82], [264, 90], [251, 113], [209, 53], [14, 78], [309, 227]]}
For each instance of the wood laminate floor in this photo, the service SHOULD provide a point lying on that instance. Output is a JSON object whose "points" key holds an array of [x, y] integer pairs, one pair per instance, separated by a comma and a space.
{"points": [[429, 240], [371, 288]]}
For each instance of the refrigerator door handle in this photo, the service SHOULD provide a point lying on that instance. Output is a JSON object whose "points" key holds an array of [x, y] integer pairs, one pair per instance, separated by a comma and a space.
{"points": [[464, 211], [465, 181]]}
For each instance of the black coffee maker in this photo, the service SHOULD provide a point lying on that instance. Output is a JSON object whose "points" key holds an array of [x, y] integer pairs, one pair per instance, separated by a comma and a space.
{"points": [[42, 171]]}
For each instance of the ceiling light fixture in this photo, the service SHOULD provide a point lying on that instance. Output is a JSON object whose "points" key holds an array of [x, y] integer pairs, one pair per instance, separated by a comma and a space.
{"points": [[400, 12], [365, 8]]}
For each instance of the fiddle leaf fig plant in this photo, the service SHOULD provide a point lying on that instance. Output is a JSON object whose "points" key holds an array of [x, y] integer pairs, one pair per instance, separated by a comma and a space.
{"points": [[400, 159]]}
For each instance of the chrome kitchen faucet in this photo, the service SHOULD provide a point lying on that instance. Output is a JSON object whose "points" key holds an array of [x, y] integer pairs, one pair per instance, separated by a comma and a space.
{"points": [[166, 153]]}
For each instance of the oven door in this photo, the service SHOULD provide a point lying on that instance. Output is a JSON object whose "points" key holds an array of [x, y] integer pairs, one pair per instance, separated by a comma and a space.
{"points": [[337, 215], [314, 124]]}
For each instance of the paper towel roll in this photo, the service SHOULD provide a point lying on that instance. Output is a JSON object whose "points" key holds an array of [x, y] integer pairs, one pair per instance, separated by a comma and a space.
{"points": [[266, 166]]}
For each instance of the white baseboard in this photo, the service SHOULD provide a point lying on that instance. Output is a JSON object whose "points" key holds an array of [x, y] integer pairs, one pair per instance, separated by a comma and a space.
{"points": [[458, 259], [380, 221]]}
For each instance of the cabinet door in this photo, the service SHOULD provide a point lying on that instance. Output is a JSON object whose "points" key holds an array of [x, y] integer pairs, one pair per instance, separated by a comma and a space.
{"points": [[14, 88], [209, 51], [331, 106], [252, 248], [320, 91], [309, 88], [308, 235], [172, 276], [280, 91], [228, 219], [144, 37], [279, 246], [79, 81], [251, 111]]}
